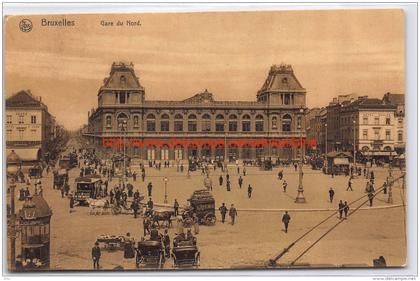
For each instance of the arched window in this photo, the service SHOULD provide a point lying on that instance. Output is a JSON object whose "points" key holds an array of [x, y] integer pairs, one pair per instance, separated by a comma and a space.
{"points": [[206, 123], [151, 123], [179, 123], [233, 123], [259, 123], [192, 123], [164, 123], [286, 123], [220, 123], [246, 123]]}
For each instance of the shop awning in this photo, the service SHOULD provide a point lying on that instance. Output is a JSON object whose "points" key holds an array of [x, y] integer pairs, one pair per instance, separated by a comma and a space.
{"points": [[341, 161], [26, 154]]}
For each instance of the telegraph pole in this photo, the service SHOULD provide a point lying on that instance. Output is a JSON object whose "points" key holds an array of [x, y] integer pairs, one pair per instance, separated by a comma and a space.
{"points": [[12, 233]]}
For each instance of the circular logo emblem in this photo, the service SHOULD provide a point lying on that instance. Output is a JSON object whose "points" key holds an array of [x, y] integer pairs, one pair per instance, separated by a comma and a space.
{"points": [[25, 25]]}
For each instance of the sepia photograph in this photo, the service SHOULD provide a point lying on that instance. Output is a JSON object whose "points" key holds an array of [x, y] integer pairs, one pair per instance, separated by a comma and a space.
{"points": [[196, 141]]}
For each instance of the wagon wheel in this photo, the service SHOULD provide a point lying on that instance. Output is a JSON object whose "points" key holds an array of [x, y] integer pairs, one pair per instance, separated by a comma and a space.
{"points": [[197, 260], [210, 219]]}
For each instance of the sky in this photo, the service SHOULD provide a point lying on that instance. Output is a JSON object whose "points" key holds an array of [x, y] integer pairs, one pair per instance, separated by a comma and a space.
{"points": [[177, 55]]}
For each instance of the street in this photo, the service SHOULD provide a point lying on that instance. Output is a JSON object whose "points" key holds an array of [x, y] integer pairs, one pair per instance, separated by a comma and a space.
{"points": [[258, 232]]}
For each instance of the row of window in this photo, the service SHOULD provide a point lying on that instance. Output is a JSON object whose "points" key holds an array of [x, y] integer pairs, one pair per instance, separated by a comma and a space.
{"points": [[232, 124], [21, 119], [377, 135]]}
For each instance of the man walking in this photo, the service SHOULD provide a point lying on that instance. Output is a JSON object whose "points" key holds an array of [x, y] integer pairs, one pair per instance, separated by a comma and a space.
{"points": [[346, 209], [244, 171], [223, 210], [371, 196], [249, 191], [284, 186], [96, 255], [233, 214], [176, 207], [240, 181], [221, 180], [331, 194], [286, 219], [340, 208], [150, 204], [149, 189], [349, 185]]}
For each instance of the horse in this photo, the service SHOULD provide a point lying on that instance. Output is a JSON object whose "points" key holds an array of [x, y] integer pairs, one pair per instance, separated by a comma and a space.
{"points": [[162, 216], [97, 206]]}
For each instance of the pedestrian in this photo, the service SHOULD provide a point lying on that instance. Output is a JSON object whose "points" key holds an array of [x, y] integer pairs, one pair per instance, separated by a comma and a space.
{"points": [[195, 224], [71, 203], [280, 175], [371, 196], [40, 190], [385, 187], [176, 207], [62, 191], [237, 168], [227, 185], [286, 219], [249, 191], [96, 255], [128, 247], [167, 241], [284, 186], [296, 166], [233, 214], [240, 181], [146, 224], [346, 209], [143, 175], [244, 171], [220, 180], [227, 176], [134, 176], [331, 194], [340, 208], [135, 206], [150, 203], [349, 185], [223, 210], [149, 189]]}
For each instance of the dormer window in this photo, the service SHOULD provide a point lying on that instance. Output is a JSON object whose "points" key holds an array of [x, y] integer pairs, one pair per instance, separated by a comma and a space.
{"points": [[284, 80]]}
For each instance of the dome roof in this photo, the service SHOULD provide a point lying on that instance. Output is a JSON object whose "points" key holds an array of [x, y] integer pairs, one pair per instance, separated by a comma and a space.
{"points": [[13, 158], [35, 208]]}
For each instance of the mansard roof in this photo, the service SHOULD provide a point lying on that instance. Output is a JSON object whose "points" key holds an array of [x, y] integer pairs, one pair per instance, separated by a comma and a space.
{"points": [[281, 78], [24, 98], [395, 99], [122, 76]]}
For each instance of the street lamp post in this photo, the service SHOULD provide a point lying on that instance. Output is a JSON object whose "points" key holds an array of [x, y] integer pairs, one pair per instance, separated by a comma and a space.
{"points": [[326, 140], [390, 179], [12, 233], [300, 198], [123, 127], [166, 191], [226, 152], [354, 148]]}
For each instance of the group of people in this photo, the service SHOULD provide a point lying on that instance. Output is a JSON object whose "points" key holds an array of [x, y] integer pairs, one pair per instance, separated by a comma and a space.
{"points": [[232, 213]]}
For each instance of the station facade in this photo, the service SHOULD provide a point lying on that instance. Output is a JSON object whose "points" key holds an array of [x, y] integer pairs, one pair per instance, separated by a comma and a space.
{"points": [[198, 127]]}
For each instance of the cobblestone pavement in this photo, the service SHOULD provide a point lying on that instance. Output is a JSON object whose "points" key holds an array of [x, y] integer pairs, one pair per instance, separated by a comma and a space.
{"points": [[257, 235]]}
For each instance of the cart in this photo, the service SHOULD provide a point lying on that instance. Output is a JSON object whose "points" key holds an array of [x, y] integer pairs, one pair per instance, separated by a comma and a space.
{"points": [[203, 205]]}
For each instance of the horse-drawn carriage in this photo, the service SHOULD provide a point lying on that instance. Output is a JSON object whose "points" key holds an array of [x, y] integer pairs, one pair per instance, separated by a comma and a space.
{"points": [[185, 254], [202, 204], [150, 253], [160, 217], [35, 172], [87, 187], [60, 178]]}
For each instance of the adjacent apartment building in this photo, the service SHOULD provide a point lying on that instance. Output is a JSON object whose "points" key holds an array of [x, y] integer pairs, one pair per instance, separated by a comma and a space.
{"points": [[29, 127]]}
